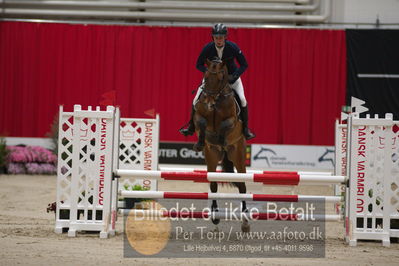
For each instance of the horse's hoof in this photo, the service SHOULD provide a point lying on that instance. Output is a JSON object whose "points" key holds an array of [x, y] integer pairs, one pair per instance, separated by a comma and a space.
{"points": [[198, 147], [245, 227], [215, 221], [216, 230]]}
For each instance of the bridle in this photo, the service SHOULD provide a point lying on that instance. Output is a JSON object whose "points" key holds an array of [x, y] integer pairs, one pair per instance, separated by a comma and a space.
{"points": [[218, 92]]}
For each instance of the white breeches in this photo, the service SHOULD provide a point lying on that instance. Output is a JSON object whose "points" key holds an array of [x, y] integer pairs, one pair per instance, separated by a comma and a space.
{"points": [[237, 87]]}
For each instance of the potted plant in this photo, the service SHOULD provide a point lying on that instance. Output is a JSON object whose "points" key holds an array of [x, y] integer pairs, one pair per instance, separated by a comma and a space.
{"points": [[3, 155], [130, 202]]}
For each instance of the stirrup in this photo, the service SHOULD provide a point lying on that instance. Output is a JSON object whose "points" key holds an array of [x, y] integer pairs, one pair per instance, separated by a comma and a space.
{"points": [[186, 131], [248, 134]]}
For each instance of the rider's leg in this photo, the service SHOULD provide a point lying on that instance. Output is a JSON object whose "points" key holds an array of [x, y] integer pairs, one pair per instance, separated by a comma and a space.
{"points": [[239, 89], [191, 127]]}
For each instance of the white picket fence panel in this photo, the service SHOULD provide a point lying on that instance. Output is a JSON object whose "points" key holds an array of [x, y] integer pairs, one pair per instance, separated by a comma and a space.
{"points": [[84, 191]]}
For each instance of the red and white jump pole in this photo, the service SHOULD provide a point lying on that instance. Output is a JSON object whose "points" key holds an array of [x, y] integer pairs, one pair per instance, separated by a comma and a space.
{"points": [[205, 177], [227, 196], [182, 169], [153, 214]]}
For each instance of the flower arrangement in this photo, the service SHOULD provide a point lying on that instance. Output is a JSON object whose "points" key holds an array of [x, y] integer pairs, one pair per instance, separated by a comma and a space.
{"points": [[40, 168], [29, 154], [31, 160]]}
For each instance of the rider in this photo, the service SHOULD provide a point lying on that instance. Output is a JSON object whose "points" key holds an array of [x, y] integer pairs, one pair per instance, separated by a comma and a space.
{"points": [[225, 50]]}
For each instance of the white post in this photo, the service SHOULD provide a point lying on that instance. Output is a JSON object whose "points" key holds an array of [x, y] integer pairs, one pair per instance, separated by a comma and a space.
{"points": [[115, 165], [369, 205], [73, 215]]}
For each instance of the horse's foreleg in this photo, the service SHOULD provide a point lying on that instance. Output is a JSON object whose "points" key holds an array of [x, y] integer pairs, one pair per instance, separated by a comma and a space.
{"points": [[225, 126], [212, 162], [200, 124], [212, 157]]}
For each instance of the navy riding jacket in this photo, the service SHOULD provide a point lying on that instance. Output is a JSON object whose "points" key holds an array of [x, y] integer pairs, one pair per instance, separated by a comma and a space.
{"points": [[231, 51]]}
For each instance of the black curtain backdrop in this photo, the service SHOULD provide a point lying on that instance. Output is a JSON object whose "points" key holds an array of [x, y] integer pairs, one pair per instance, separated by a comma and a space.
{"points": [[373, 69]]}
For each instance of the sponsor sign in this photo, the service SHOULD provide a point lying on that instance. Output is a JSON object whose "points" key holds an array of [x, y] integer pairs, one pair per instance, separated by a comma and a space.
{"points": [[179, 153], [293, 157], [183, 153]]}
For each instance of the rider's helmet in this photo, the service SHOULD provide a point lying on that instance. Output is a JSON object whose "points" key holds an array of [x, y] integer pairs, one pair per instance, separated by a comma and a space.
{"points": [[219, 30]]}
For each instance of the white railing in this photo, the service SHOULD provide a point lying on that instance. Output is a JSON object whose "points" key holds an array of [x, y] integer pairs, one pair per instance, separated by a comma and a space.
{"points": [[258, 11]]}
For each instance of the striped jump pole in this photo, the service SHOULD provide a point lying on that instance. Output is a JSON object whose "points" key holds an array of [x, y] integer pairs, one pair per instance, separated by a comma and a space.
{"points": [[151, 214], [182, 169], [227, 196], [205, 177]]}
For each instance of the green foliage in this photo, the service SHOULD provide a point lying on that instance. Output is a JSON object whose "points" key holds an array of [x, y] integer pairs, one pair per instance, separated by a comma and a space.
{"points": [[53, 134], [137, 188], [3, 152]]}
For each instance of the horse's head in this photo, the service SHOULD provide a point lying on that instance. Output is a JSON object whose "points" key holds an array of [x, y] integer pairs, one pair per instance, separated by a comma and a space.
{"points": [[216, 79], [216, 74]]}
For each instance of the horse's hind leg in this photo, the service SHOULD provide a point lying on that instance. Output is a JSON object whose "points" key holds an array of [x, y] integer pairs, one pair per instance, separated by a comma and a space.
{"points": [[242, 189], [227, 165], [214, 206], [212, 157], [238, 157]]}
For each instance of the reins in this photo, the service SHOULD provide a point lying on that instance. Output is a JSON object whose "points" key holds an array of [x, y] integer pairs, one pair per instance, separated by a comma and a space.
{"points": [[218, 91]]}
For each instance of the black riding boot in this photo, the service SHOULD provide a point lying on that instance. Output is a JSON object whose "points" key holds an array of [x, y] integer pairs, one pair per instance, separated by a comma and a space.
{"points": [[244, 117], [191, 127]]}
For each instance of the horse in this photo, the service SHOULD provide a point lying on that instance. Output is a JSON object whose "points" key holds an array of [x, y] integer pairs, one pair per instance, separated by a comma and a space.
{"points": [[219, 130]]}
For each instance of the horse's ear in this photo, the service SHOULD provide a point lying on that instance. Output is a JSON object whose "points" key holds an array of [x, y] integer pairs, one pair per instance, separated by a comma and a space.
{"points": [[208, 62]]}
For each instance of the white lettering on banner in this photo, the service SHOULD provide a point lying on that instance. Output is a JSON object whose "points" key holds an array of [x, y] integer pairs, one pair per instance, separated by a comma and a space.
{"points": [[361, 152], [103, 138], [148, 146], [186, 153], [168, 153], [101, 184]]}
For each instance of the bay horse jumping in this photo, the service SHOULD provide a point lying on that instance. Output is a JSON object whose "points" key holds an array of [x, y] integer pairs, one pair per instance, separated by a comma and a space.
{"points": [[219, 129]]}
